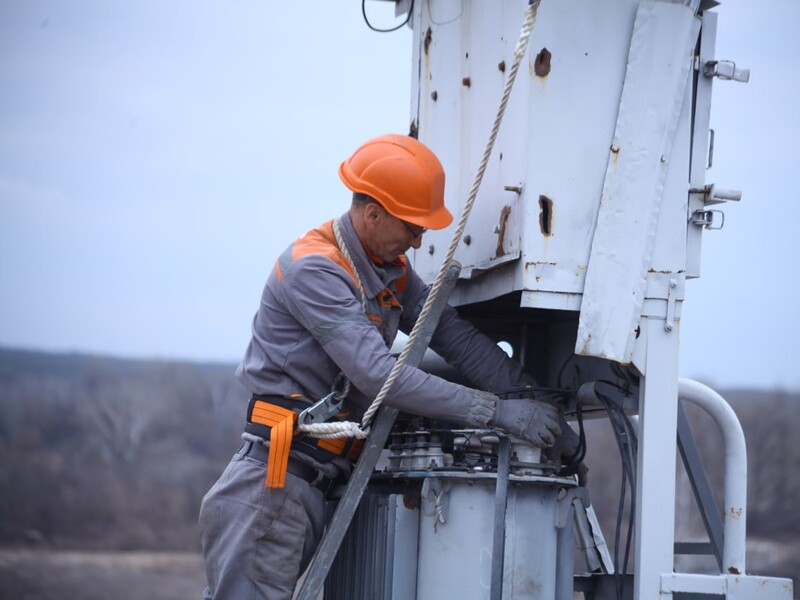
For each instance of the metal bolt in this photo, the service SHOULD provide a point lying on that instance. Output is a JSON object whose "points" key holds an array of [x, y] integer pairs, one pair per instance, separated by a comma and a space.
{"points": [[431, 249], [467, 239]]}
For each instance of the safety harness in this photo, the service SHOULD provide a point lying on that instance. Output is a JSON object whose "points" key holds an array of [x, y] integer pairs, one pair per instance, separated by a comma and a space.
{"points": [[274, 419], [294, 424]]}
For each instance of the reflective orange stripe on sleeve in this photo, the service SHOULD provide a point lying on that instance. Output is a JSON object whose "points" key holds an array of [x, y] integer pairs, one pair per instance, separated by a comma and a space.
{"points": [[281, 420]]}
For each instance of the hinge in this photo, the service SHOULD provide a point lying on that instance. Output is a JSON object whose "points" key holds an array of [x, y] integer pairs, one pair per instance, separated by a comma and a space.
{"points": [[669, 321]]}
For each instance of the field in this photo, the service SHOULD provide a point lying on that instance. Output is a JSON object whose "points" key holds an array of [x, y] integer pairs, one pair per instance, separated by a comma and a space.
{"points": [[51, 575]]}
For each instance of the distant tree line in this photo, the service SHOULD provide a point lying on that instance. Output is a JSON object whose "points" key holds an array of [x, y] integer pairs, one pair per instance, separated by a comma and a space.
{"points": [[101, 453]]}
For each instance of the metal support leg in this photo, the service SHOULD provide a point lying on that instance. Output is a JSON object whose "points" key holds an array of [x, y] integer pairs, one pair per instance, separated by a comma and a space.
{"points": [[655, 506]]}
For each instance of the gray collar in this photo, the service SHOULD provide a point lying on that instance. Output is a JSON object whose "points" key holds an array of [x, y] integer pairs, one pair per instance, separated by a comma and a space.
{"points": [[374, 278]]}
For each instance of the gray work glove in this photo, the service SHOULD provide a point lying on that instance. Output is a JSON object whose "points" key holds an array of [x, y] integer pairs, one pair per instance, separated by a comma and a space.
{"points": [[533, 420]]}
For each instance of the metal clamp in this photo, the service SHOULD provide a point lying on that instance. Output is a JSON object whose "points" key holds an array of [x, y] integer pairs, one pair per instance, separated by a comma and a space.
{"points": [[705, 218], [725, 70]]}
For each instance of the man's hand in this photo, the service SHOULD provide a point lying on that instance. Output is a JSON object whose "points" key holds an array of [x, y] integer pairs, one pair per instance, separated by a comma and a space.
{"points": [[565, 453], [567, 444], [532, 420]]}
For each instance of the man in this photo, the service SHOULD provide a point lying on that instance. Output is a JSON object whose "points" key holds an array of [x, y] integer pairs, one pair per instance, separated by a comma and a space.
{"points": [[328, 315]]}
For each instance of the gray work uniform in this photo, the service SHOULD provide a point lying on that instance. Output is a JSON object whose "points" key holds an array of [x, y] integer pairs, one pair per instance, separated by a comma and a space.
{"points": [[309, 327]]}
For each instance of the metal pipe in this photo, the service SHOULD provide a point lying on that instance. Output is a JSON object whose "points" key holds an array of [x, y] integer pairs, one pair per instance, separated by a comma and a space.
{"points": [[735, 486]]}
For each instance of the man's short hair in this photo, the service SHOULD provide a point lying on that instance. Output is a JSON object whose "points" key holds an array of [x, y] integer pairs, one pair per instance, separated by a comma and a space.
{"points": [[364, 199]]}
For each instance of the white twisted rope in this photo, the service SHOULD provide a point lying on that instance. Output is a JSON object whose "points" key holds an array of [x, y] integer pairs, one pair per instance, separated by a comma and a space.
{"points": [[340, 429], [353, 429]]}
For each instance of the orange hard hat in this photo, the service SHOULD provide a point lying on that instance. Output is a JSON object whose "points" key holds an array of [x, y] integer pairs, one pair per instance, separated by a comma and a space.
{"points": [[403, 175]]}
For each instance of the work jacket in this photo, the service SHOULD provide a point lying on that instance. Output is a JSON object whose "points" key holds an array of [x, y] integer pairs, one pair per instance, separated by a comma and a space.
{"points": [[310, 326]]}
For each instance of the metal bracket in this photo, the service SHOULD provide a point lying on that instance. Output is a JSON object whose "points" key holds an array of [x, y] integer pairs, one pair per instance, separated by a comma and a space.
{"points": [[714, 195], [725, 70], [564, 504], [705, 218], [669, 323]]}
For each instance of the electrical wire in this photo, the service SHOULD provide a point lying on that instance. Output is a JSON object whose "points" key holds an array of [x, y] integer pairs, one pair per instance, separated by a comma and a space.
{"points": [[403, 24], [627, 444], [440, 23]]}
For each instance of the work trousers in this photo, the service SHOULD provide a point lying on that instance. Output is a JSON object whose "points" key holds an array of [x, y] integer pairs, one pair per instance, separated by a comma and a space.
{"points": [[258, 541]]}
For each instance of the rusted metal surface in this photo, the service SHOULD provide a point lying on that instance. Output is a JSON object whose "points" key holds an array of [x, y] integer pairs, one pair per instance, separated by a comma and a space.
{"points": [[466, 82], [501, 231]]}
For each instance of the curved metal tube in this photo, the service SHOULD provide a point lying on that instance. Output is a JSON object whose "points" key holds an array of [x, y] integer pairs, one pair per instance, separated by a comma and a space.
{"points": [[735, 487]]}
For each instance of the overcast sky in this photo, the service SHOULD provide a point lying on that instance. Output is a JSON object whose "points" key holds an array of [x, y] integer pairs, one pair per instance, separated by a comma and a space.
{"points": [[157, 155]]}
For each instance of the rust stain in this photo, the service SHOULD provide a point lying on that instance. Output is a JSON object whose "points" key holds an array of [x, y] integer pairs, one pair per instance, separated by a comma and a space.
{"points": [[541, 65], [733, 571], [411, 502], [501, 66], [466, 82], [736, 513], [426, 44], [501, 231]]}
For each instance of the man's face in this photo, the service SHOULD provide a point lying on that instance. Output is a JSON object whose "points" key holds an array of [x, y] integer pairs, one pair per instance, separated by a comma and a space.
{"points": [[392, 236]]}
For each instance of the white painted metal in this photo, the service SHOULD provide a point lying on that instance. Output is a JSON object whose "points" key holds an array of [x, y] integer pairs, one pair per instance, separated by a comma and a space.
{"points": [[700, 142], [655, 500], [401, 573], [735, 487], [585, 206], [653, 96], [733, 587], [554, 141]]}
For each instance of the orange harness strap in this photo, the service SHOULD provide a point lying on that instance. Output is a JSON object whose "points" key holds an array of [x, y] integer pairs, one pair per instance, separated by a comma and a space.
{"points": [[282, 421]]}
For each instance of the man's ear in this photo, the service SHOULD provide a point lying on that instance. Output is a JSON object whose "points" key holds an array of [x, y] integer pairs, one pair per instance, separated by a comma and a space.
{"points": [[372, 212]]}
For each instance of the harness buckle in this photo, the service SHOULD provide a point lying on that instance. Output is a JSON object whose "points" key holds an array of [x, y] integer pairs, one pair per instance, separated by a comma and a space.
{"points": [[322, 410]]}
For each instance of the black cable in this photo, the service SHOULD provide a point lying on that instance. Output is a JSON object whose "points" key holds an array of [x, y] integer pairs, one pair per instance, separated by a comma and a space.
{"points": [[366, 19], [580, 452], [627, 444], [563, 368]]}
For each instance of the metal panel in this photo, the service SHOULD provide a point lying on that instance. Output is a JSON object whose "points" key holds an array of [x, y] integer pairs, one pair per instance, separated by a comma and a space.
{"points": [[541, 191], [700, 141], [455, 557], [653, 96]]}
